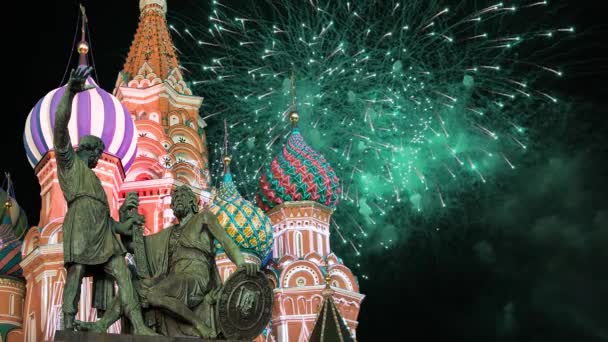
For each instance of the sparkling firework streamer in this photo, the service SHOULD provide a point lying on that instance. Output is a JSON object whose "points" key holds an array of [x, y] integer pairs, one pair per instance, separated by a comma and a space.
{"points": [[408, 100]]}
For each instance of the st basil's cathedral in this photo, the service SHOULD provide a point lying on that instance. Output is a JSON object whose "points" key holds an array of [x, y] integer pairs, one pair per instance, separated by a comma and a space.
{"points": [[155, 141]]}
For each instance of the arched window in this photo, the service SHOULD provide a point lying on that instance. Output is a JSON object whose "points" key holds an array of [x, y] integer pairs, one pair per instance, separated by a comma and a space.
{"points": [[11, 305], [299, 244], [319, 243], [143, 177]]}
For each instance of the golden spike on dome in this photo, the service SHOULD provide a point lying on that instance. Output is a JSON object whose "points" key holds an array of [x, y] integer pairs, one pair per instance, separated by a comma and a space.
{"points": [[227, 158], [294, 117], [83, 46], [327, 291], [9, 190]]}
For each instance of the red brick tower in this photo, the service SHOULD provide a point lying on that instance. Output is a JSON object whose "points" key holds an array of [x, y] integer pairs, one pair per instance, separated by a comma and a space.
{"points": [[171, 144], [299, 191]]}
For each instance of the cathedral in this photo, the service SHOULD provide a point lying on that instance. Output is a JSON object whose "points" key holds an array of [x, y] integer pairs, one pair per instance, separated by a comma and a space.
{"points": [[155, 140]]}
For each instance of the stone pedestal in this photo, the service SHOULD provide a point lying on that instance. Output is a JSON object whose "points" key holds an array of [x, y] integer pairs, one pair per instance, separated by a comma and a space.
{"points": [[81, 336]]}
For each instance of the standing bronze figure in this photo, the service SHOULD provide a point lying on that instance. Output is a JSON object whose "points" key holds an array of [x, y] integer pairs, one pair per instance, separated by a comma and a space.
{"points": [[90, 245]]}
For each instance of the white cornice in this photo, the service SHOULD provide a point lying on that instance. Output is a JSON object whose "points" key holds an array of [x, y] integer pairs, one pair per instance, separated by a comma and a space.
{"points": [[40, 251], [277, 233], [158, 183], [17, 324], [317, 289], [47, 273], [140, 95]]}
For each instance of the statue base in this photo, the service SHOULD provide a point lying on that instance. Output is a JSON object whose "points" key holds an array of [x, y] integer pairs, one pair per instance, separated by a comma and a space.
{"points": [[85, 336]]}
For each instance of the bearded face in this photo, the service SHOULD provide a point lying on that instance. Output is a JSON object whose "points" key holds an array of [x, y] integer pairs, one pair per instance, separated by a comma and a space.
{"points": [[90, 150], [91, 157], [183, 202]]}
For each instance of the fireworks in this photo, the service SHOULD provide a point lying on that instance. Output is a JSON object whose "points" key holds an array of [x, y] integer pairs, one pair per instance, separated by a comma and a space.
{"points": [[410, 101]]}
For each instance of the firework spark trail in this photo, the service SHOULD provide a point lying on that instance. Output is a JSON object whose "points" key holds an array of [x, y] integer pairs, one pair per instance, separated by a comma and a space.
{"points": [[413, 95]]}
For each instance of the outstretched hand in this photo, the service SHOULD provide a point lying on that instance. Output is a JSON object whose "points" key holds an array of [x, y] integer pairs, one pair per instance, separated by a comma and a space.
{"points": [[250, 268], [78, 77]]}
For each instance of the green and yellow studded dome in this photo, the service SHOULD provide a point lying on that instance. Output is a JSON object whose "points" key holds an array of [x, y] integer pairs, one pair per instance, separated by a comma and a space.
{"points": [[245, 223]]}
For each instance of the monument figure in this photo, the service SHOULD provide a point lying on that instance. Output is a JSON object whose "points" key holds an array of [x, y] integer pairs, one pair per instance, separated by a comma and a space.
{"points": [[179, 284], [90, 245]]}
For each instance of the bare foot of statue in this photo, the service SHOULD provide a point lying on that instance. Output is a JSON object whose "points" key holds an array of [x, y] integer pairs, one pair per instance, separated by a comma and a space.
{"points": [[97, 327]]}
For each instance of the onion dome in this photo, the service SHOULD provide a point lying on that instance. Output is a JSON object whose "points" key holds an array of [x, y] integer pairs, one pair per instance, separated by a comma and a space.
{"points": [[13, 224], [298, 173], [94, 112], [246, 224]]}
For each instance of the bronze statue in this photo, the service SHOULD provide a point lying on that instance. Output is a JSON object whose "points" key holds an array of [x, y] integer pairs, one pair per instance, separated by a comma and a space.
{"points": [[177, 278], [90, 245]]}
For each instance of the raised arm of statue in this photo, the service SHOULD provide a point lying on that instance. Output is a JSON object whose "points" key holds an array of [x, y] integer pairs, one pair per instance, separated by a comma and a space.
{"points": [[76, 84], [232, 250]]}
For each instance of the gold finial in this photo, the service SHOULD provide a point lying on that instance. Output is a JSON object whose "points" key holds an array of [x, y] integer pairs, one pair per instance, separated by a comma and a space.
{"points": [[227, 160], [9, 190], [327, 280], [294, 117], [83, 46], [327, 291]]}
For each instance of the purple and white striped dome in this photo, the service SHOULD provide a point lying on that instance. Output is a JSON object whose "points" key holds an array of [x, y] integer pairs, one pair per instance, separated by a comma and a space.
{"points": [[94, 112]]}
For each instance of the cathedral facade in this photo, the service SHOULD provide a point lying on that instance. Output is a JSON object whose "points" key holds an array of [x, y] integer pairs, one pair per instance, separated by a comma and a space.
{"points": [[155, 140]]}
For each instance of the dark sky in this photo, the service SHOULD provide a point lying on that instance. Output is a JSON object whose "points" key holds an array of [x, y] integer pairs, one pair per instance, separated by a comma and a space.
{"points": [[526, 262]]}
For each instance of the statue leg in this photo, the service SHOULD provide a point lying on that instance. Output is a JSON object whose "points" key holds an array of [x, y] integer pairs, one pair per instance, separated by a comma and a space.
{"points": [[117, 267], [111, 315], [71, 294], [157, 297]]}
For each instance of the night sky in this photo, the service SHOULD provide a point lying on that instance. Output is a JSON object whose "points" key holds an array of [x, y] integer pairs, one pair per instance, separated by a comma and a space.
{"points": [[523, 260]]}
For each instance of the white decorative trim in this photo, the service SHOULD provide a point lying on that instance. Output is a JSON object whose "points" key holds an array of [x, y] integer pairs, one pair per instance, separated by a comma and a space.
{"points": [[140, 96], [46, 274], [42, 250], [161, 3], [340, 274], [354, 296], [17, 324], [298, 268], [280, 231]]}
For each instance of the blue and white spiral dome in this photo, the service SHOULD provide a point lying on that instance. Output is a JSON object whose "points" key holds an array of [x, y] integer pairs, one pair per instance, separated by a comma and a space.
{"points": [[94, 112]]}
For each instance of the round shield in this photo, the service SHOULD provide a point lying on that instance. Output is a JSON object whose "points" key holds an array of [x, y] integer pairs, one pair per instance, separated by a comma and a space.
{"points": [[244, 306]]}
